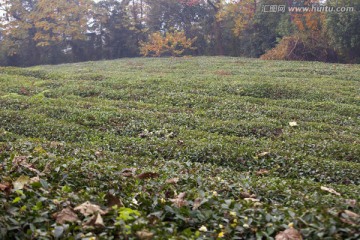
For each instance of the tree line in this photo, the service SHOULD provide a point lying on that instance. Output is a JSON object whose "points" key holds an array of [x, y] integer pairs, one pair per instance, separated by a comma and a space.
{"points": [[51, 32]]}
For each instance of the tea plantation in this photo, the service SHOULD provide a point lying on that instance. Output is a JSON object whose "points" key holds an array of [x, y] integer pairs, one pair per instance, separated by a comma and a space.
{"points": [[180, 148]]}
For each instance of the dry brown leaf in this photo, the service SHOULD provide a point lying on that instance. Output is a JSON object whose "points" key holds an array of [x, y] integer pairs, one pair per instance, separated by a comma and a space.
{"points": [[247, 195], [179, 200], [21, 182], [197, 203], [262, 172], [352, 215], [128, 172], [330, 190], [34, 180], [351, 202], [66, 215], [56, 144], [289, 234], [147, 175], [293, 124], [47, 169], [88, 209], [263, 154], [144, 235], [21, 161], [347, 221], [172, 180], [95, 221], [98, 153], [251, 199], [4, 186], [349, 217], [113, 201]]}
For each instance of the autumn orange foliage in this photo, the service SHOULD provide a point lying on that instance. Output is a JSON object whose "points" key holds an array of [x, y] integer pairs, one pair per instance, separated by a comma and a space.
{"points": [[173, 44], [308, 43], [301, 48]]}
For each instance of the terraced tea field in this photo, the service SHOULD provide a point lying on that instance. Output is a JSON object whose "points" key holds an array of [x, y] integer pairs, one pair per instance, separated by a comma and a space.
{"points": [[184, 148]]}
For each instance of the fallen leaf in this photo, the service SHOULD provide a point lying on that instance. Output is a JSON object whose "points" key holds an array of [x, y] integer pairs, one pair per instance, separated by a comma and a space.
{"points": [[144, 235], [330, 190], [247, 195], [351, 202], [21, 161], [197, 203], [113, 201], [34, 180], [263, 154], [99, 221], [66, 215], [98, 153], [289, 234], [88, 209], [56, 144], [262, 172], [293, 124], [21, 182], [172, 180], [4, 186], [128, 172], [347, 221], [95, 221], [251, 199], [352, 215], [47, 169], [148, 175], [179, 200]]}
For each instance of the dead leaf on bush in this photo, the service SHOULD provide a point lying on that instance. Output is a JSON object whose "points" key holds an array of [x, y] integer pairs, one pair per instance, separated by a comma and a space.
{"points": [[251, 199], [351, 202], [172, 180], [66, 215], [128, 172], [197, 203], [21, 182], [247, 195], [144, 235], [262, 172], [293, 124], [179, 200], [352, 215], [56, 144], [21, 161], [263, 154], [95, 221], [347, 221], [330, 190], [113, 201], [4, 186], [148, 175], [34, 180], [289, 234], [88, 209]]}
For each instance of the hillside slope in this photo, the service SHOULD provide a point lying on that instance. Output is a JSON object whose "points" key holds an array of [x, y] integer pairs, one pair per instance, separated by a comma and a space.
{"points": [[189, 148]]}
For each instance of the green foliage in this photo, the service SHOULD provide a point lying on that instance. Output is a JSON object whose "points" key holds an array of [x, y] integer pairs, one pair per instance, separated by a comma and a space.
{"points": [[343, 31], [179, 148]]}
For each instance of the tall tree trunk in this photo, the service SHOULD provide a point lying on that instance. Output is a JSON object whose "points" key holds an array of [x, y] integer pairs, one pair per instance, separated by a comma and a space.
{"points": [[217, 30]]}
